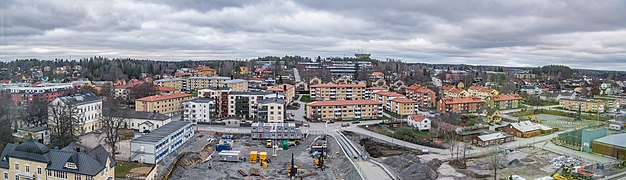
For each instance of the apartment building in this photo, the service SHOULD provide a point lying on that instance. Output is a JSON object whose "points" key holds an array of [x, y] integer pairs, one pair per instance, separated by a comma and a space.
{"points": [[331, 91], [199, 110], [481, 92], [203, 82], [87, 108], [33, 160], [236, 85], [177, 83], [425, 97], [453, 92], [247, 105], [370, 91], [25, 94], [287, 89], [122, 91], [584, 105], [151, 148], [385, 97], [169, 104], [460, 105], [203, 71], [504, 101], [403, 106], [272, 110], [344, 110]]}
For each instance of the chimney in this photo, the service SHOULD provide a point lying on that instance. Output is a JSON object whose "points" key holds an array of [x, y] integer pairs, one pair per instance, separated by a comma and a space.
{"points": [[285, 88], [231, 77], [77, 149]]}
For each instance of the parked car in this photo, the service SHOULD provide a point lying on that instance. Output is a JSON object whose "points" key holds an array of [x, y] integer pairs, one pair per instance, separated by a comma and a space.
{"points": [[356, 122], [345, 124]]}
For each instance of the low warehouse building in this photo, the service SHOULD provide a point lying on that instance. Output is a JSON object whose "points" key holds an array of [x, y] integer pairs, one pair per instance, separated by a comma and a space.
{"points": [[580, 139], [154, 146], [275, 131], [611, 145], [492, 139]]}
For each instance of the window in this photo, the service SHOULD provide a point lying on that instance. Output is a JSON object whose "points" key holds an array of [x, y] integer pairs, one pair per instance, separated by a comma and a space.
{"points": [[6, 175], [39, 170], [27, 168], [78, 176], [17, 166]]}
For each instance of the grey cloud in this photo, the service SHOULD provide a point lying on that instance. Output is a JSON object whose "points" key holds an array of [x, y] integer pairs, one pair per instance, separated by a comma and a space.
{"points": [[582, 34]]}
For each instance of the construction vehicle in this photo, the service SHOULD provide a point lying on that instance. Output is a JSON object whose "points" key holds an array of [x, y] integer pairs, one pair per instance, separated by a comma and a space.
{"points": [[293, 169], [254, 155], [268, 143], [319, 162], [533, 118]]}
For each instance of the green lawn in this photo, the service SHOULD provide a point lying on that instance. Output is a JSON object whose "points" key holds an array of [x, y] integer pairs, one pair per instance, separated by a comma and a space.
{"points": [[306, 98], [123, 167], [561, 113]]}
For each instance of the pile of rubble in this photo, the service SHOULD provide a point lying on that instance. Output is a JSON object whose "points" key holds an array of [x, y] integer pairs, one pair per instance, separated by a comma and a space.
{"points": [[410, 167]]}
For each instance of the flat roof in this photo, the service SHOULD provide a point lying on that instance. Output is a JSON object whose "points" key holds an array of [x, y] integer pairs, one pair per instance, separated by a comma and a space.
{"points": [[162, 132], [343, 103], [164, 97], [614, 139]]}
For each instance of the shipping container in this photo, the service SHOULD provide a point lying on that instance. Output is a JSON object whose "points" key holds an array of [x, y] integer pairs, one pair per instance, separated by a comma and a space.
{"points": [[229, 156]]}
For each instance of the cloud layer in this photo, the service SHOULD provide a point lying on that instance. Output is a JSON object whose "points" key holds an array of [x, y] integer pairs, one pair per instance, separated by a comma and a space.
{"points": [[581, 34]]}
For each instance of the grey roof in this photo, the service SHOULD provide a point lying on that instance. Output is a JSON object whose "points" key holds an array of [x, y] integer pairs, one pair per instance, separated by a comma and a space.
{"points": [[209, 77], [249, 93], [234, 81], [273, 100], [614, 139], [79, 99], [142, 115], [8, 149], [34, 129], [88, 162], [202, 100], [169, 79], [219, 88], [162, 132], [148, 123]]}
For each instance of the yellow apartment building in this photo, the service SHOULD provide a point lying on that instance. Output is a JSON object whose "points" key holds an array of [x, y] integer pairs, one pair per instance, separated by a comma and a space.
{"points": [[33, 160], [385, 97], [403, 106], [585, 105], [481, 92], [344, 110], [236, 85], [504, 101], [203, 82], [324, 92], [169, 104], [176, 83]]}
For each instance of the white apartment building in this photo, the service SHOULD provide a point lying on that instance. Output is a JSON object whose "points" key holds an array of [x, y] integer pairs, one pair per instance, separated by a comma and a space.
{"points": [[88, 109], [154, 146], [199, 110], [272, 110]]}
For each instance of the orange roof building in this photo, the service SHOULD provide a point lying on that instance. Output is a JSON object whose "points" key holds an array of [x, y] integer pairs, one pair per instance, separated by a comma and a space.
{"points": [[504, 101], [425, 97], [460, 105], [331, 91], [168, 104], [481, 92], [343, 110], [287, 89]]}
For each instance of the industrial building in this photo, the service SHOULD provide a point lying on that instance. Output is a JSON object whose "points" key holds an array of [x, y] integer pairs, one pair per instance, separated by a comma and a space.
{"points": [[611, 145], [580, 139], [278, 131], [153, 147]]}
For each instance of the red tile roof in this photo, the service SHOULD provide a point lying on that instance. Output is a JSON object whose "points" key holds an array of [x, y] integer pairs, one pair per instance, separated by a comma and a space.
{"points": [[403, 100], [130, 84], [378, 74], [164, 97], [329, 85], [204, 68], [480, 88], [420, 89], [507, 97], [280, 87], [342, 103], [447, 87], [417, 117], [455, 91], [387, 93], [461, 100]]}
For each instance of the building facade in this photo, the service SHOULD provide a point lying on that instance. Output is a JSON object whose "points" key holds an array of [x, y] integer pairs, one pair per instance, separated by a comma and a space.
{"points": [[275, 131], [504, 101], [272, 110], [344, 110], [403, 106], [25, 94], [169, 105], [481, 92], [460, 105], [199, 110], [385, 97], [86, 108], [151, 148], [584, 105], [331, 91], [287, 89], [177, 83], [425, 97], [611, 145], [33, 160]]}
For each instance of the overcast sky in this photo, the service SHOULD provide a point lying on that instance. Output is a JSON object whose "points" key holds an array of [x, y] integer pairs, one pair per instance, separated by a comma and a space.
{"points": [[580, 34]]}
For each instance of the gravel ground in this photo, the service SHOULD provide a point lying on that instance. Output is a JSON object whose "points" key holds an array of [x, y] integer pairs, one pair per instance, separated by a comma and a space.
{"points": [[338, 167]]}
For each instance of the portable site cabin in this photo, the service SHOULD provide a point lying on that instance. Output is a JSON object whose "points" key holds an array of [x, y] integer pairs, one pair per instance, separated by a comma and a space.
{"points": [[253, 156], [263, 156], [229, 156]]}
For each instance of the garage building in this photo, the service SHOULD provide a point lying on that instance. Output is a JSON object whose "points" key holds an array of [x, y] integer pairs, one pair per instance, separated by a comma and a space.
{"points": [[611, 145]]}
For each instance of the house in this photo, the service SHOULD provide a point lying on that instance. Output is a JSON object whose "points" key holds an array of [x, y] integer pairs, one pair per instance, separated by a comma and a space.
{"points": [[493, 115], [419, 121], [398, 85], [315, 81], [460, 105], [492, 139], [380, 82], [272, 110], [243, 70], [531, 90], [452, 92], [40, 133], [482, 92], [526, 129], [504, 101], [33, 160], [143, 121]]}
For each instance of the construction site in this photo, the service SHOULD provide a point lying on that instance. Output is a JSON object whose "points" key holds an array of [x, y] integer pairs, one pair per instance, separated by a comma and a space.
{"points": [[242, 157]]}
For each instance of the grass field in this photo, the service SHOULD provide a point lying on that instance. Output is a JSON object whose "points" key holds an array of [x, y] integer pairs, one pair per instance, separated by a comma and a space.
{"points": [[123, 167]]}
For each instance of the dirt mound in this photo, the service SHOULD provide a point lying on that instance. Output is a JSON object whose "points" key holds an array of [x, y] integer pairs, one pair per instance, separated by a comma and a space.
{"points": [[400, 162], [192, 158], [418, 171], [515, 163], [380, 149]]}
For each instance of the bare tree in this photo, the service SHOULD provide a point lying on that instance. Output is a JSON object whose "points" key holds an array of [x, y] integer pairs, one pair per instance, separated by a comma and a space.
{"points": [[6, 120], [66, 122], [36, 114], [142, 90], [465, 146], [113, 120], [450, 137], [494, 159]]}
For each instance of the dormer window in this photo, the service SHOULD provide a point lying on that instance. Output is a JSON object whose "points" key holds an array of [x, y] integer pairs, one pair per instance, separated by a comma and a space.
{"points": [[70, 165]]}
